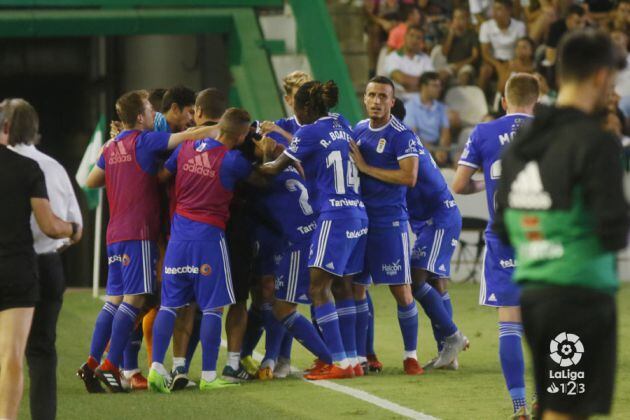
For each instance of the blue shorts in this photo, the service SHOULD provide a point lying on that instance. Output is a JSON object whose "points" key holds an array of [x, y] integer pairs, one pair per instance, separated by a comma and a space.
{"points": [[131, 268], [292, 275], [269, 246], [338, 245], [197, 271], [497, 288], [387, 256], [436, 240]]}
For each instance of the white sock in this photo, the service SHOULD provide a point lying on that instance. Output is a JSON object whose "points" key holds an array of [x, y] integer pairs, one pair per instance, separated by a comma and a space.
{"points": [[179, 361], [159, 367], [344, 364], [233, 359], [270, 363], [362, 359], [208, 375], [129, 373], [411, 355]]}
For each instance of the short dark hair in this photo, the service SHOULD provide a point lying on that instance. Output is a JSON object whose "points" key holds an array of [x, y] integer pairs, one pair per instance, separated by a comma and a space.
{"points": [[382, 80], [584, 52], [574, 9], [235, 120], [398, 110], [212, 103], [180, 95], [24, 122], [406, 11], [428, 76], [155, 97], [130, 105], [505, 3]]}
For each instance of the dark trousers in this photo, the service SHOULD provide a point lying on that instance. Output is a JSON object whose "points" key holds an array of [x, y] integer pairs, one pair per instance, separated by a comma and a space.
{"points": [[41, 353]]}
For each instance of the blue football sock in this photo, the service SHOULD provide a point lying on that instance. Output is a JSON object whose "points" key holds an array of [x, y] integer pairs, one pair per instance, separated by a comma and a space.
{"points": [[433, 306], [328, 322], [162, 332], [305, 333], [193, 340], [511, 355], [253, 332], [130, 355], [363, 315], [102, 330], [408, 321], [369, 345], [210, 339], [286, 345], [122, 326], [347, 313], [274, 333], [314, 322], [446, 299]]}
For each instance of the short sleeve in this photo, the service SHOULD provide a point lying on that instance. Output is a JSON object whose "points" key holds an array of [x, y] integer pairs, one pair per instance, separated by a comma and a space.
{"points": [[406, 145], [484, 36], [171, 162], [37, 182], [444, 117], [101, 162], [234, 168], [471, 156], [153, 142], [301, 147]]}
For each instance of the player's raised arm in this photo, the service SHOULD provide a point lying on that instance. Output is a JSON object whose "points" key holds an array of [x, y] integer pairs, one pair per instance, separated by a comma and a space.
{"points": [[197, 133]]}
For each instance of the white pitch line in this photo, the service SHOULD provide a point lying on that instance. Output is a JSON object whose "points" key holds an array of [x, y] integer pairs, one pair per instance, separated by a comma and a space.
{"points": [[358, 394]]}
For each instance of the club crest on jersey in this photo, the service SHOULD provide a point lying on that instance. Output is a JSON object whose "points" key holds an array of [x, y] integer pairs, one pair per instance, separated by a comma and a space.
{"points": [[205, 269], [381, 146]]}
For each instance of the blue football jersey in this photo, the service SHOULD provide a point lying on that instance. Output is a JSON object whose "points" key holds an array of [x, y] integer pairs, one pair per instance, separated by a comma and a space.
{"points": [[332, 178], [483, 150], [384, 147], [431, 193], [287, 204]]}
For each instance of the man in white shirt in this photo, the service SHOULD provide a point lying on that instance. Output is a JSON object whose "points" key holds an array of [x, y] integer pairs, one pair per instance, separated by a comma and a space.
{"points": [[498, 37], [40, 349], [406, 65]]}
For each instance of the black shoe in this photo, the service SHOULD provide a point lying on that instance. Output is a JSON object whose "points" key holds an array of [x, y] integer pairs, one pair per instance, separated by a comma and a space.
{"points": [[89, 380], [180, 379], [365, 367], [235, 376]]}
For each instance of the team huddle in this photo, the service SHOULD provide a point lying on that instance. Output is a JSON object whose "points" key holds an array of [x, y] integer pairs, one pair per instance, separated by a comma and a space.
{"points": [[305, 210]]}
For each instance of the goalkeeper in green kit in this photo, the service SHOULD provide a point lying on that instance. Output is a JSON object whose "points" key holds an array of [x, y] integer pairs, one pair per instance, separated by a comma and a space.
{"points": [[561, 205]]}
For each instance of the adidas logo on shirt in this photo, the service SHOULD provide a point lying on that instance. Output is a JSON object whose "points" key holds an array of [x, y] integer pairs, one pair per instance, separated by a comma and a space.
{"points": [[442, 268], [199, 165], [492, 298], [527, 191], [330, 265], [120, 154]]}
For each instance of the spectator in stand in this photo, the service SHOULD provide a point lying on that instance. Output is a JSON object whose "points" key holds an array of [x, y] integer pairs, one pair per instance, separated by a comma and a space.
{"points": [[406, 65], [428, 117], [575, 19], [523, 61], [622, 84], [381, 16], [620, 18], [498, 38], [539, 16], [461, 46], [410, 16], [480, 10]]}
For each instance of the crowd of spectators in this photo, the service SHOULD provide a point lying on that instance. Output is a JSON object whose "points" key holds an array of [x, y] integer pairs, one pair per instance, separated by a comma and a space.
{"points": [[450, 59]]}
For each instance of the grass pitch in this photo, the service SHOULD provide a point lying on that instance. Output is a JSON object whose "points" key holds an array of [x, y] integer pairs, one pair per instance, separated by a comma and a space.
{"points": [[476, 391]]}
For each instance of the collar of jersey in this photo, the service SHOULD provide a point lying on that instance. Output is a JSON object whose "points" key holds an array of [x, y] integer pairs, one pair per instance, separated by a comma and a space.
{"points": [[380, 128]]}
